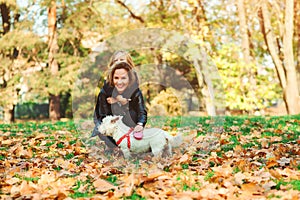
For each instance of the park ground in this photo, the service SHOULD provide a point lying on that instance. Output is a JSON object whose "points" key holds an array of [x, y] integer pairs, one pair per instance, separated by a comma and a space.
{"points": [[230, 158]]}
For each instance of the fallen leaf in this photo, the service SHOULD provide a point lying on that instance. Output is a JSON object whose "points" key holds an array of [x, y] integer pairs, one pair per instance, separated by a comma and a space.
{"points": [[103, 185], [12, 181], [252, 188], [184, 158], [239, 178], [275, 174], [27, 188]]}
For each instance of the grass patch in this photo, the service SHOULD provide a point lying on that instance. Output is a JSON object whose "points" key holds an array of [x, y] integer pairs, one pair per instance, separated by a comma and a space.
{"points": [[82, 194], [69, 156], [2, 157], [112, 179], [30, 179], [209, 175], [295, 184], [135, 196]]}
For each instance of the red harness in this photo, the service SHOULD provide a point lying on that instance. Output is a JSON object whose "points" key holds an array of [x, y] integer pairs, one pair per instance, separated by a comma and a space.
{"points": [[127, 135]]}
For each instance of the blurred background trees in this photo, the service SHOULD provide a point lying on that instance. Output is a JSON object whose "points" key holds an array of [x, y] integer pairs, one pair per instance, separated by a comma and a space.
{"points": [[254, 45]]}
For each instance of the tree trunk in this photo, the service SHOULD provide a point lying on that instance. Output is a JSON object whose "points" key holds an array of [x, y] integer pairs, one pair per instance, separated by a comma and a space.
{"points": [[291, 91], [54, 106], [158, 60], [297, 37], [271, 43], [286, 70], [9, 115], [246, 48], [244, 31], [207, 87], [5, 13], [54, 101]]}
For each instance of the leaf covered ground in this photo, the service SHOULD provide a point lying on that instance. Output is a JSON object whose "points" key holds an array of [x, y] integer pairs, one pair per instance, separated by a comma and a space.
{"points": [[237, 158]]}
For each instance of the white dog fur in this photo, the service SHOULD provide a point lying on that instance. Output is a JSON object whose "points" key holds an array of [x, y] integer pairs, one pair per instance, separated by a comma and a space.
{"points": [[155, 140]]}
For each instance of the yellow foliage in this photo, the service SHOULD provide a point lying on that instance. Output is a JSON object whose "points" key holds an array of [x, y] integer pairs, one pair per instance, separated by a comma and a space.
{"points": [[167, 102]]}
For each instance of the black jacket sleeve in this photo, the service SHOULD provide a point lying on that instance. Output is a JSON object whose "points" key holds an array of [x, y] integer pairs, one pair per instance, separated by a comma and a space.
{"points": [[102, 108], [139, 106]]}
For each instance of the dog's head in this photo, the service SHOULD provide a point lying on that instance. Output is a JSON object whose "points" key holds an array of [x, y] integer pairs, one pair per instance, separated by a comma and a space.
{"points": [[109, 125]]}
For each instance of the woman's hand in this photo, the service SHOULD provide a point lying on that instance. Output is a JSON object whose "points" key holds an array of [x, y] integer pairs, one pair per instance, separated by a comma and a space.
{"points": [[111, 100], [122, 100], [138, 128], [119, 98]]}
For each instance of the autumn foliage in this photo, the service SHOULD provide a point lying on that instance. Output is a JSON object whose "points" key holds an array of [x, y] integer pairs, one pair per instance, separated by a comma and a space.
{"points": [[248, 158]]}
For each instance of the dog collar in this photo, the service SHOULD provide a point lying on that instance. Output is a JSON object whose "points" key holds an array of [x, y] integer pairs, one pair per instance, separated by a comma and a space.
{"points": [[127, 135]]}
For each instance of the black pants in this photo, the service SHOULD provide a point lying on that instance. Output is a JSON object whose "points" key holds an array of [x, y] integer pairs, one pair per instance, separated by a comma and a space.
{"points": [[109, 141]]}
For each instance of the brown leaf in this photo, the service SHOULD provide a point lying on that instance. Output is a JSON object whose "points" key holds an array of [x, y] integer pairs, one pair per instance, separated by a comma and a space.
{"points": [[15, 191], [7, 142], [268, 185], [103, 185], [184, 158], [275, 174], [151, 176], [239, 178], [27, 188], [12, 181], [46, 179]]}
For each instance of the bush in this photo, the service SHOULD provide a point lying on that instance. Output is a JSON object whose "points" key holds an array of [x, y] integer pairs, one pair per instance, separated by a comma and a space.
{"points": [[167, 103]]}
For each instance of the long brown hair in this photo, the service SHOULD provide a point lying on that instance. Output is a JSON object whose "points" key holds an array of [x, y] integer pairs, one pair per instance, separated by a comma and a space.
{"points": [[121, 65], [119, 53]]}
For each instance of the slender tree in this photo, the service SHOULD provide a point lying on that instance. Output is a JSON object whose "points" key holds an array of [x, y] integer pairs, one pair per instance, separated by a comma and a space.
{"points": [[244, 31], [286, 70], [297, 37], [54, 99]]}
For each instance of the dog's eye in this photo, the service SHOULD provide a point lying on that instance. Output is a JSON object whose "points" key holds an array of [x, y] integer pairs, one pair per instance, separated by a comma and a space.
{"points": [[114, 120]]}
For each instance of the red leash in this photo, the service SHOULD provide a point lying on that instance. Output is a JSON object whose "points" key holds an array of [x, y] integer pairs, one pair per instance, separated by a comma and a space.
{"points": [[127, 135]]}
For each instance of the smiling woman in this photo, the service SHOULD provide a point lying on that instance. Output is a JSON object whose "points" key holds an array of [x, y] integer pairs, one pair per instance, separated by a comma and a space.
{"points": [[125, 100]]}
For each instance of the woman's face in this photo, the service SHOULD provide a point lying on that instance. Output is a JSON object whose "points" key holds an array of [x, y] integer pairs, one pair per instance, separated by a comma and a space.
{"points": [[119, 57], [121, 80]]}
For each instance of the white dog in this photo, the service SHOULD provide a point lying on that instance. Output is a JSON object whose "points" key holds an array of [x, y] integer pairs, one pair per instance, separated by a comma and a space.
{"points": [[155, 140]]}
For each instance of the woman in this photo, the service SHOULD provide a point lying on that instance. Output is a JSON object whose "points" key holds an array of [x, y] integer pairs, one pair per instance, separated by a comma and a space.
{"points": [[107, 89], [125, 99]]}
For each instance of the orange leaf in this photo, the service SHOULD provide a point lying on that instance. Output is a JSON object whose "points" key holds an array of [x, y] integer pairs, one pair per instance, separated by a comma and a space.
{"points": [[275, 174], [271, 163], [251, 188], [238, 149]]}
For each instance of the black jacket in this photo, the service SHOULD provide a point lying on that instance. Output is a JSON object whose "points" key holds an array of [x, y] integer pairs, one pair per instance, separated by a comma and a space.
{"points": [[134, 112]]}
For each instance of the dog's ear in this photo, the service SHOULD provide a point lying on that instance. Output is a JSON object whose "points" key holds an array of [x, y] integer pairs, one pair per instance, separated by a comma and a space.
{"points": [[115, 120]]}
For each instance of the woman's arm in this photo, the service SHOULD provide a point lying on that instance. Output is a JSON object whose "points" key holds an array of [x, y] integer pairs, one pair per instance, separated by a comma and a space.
{"points": [[140, 108], [102, 108]]}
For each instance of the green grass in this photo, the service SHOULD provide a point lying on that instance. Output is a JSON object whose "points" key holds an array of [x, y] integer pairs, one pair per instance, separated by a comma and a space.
{"points": [[295, 184], [135, 196], [112, 179], [209, 175], [89, 191], [31, 179]]}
